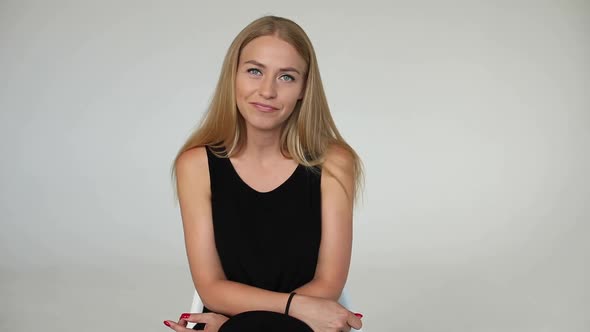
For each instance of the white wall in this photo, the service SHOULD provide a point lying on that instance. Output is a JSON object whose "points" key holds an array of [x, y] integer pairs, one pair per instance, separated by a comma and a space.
{"points": [[472, 117]]}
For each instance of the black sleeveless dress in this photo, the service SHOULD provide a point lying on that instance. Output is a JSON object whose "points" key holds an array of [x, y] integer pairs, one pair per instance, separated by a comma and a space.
{"points": [[267, 240]]}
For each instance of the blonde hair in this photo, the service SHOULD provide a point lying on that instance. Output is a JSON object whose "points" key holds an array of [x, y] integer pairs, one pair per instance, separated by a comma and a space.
{"points": [[306, 134]]}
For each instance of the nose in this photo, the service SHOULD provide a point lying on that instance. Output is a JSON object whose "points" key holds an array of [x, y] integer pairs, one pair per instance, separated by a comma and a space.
{"points": [[267, 88]]}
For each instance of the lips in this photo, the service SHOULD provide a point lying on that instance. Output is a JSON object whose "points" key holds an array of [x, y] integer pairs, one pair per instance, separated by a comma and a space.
{"points": [[264, 107]]}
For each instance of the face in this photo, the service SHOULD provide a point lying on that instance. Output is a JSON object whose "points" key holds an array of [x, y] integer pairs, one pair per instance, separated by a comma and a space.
{"points": [[269, 82]]}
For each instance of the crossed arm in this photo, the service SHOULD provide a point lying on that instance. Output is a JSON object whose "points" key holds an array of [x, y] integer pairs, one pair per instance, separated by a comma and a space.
{"points": [[230, 298]]}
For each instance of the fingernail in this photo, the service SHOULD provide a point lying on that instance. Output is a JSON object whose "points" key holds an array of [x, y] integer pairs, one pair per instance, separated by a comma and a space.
{"points": [[359, 315], [166, 323], [185, 316]]}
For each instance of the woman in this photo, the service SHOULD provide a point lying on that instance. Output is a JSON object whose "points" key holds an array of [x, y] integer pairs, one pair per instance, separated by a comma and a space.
{"points": [[260, 183]]}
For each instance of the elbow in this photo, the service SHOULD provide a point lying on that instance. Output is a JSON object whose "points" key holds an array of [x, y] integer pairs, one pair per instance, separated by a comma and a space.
{"points": [[207, 294], [335, 295], [330, 290]]}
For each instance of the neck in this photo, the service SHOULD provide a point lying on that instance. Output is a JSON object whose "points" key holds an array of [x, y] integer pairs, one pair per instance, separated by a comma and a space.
{"points": [[262, 146]]}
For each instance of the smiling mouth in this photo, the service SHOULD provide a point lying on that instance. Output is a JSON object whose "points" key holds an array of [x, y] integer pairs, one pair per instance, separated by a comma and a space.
{"points": [[264, 107]]}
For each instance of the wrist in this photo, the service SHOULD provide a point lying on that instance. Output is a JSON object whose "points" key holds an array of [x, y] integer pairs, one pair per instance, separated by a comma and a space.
{"points": [[296, 305], [288, 305]]}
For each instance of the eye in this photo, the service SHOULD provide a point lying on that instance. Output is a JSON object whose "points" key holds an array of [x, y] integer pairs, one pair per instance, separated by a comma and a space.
{"points": [[254, 71], [288, 78]]}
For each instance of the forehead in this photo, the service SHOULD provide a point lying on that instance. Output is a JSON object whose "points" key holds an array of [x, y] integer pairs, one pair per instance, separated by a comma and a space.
{"points": [[273, 52]]}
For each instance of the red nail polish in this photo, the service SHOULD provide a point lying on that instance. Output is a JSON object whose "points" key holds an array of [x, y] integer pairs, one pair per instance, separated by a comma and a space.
{"points": [[359, 315], [184, 316], [166, 323]]}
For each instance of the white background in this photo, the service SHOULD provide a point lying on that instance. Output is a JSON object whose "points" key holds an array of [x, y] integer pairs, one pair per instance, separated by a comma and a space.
{"points": [[472, 118]]}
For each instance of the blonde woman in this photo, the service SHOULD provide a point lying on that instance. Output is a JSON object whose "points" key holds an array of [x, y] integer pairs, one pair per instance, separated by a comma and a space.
{"points": [[266, 187]]}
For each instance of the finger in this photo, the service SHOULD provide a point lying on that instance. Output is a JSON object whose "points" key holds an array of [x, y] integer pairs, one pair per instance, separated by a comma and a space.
{"points": [[196, 318], [354, 321], [182, 320], [176, 327]]}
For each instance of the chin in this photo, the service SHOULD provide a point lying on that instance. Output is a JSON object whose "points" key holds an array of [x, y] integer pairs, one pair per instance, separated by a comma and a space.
{"points": [[264, 122], [265, 126]]}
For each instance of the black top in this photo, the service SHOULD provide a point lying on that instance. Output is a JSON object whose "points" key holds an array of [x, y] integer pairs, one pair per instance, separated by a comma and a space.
{"points": [[268, 240]]}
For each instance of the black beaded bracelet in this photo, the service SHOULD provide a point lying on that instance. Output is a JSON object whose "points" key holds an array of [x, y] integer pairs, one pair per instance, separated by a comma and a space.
{"points": [[289, 303]]}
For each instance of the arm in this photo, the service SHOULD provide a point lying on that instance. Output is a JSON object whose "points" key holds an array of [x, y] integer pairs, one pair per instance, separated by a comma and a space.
{"points": [[217, 293], [230, 298], [337, 185]]}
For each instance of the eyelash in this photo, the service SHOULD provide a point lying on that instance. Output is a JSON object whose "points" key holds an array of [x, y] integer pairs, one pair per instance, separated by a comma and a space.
{"points": [[291, 78]]}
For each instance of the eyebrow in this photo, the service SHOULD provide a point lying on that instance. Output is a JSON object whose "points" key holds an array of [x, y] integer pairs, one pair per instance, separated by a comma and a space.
{"points": [[256, 63]]}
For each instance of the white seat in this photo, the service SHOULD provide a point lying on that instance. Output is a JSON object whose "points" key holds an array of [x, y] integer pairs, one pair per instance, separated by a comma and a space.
{"points": [[197, 305]]}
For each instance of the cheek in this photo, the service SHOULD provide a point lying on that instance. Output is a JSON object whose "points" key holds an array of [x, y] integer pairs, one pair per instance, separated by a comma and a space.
{"points": [[244, 86], [291, 94]]}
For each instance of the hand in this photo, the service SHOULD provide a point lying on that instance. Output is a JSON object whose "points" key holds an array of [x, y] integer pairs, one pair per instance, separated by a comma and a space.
{"points": [[212, 320], [323, 315]]}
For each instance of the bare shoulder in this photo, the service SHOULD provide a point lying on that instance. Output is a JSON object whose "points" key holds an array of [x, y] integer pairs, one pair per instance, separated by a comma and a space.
{"points": [[195, 157], [192, 168], [339, 160], [338, 172]]}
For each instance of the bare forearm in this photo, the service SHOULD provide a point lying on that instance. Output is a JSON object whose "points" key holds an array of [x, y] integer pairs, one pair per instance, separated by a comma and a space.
{"points": [[231, 298], [320, 288]]}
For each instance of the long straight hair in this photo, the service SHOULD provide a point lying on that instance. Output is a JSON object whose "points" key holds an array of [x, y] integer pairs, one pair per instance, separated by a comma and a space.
{"points": [[306, 134]]}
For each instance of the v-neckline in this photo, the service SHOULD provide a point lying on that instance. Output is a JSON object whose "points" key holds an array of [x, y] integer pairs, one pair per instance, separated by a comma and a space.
{"points": [[279, 187]]}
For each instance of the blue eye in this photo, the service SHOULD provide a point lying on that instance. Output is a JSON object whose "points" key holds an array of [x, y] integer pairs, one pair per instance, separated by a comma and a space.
{"points": [[257, 72], [254, 71], [289, 78]]}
